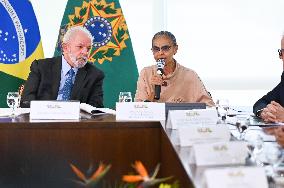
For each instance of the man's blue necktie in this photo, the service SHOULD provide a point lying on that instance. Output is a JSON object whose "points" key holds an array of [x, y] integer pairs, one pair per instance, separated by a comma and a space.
{"points": [[68, 85]]}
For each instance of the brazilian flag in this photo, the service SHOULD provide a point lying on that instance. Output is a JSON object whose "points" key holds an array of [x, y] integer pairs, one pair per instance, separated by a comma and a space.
{"points": [[20, 44], [112, 49]]}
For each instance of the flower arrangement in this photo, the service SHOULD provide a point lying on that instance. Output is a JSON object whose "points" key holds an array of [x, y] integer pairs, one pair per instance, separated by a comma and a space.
{"points": [[139, 180], [93, 180]]}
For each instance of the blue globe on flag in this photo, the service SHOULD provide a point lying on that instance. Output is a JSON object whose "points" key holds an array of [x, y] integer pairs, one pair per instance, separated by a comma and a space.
{"points": [[16, 26], [101, 30], [20, 41]]}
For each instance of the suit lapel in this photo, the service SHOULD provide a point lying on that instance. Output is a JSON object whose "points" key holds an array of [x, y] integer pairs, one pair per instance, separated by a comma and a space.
{"points": [[56, 71], [79, 80]]}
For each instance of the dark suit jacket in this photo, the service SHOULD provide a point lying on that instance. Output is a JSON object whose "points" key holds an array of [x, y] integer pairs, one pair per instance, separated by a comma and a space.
{"points": [[44, 80], [277, 95]]}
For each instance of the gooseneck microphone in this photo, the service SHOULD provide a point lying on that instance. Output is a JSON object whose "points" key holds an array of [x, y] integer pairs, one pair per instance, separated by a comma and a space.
{"points": [[160, 71]]}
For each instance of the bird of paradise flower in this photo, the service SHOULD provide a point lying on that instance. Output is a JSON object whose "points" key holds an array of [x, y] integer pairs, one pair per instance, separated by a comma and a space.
{"points": [[93, 180], [143, 176]]}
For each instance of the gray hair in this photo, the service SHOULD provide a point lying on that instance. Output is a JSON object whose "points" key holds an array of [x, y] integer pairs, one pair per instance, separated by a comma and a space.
{"points": [[165, 33], [73, 30]]}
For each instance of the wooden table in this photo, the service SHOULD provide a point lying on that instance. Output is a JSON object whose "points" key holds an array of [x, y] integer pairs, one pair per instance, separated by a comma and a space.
{"points": [[38, 154]]}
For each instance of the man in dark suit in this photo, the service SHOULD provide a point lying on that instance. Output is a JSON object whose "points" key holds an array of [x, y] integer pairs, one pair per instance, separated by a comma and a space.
{"points": [[67, 77], [270, 106]]}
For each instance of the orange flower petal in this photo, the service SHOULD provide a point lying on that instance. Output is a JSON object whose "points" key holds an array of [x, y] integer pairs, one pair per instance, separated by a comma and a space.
{"points": [[98, 171], [141, 169], [132, 178], [78, 172]]}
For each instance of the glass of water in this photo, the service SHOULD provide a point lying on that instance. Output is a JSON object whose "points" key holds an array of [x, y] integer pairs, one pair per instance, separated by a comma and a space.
{"points": [[13, 101], [222, 108], [255, 145], [274, 156], [242, 129], [125, 97]]}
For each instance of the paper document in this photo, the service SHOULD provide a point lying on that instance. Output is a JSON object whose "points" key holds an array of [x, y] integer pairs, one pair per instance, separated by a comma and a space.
{"points": [[96, 111]]}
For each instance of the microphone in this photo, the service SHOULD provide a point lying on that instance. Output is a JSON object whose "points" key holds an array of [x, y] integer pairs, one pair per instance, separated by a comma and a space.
{"points": [[160, 71]]}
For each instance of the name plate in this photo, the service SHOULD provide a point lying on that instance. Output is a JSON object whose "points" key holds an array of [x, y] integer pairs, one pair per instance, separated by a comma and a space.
{"points": [[55, 110], [220, 153], [238, 177], [177, 118], [189, 135], [140, 111]]}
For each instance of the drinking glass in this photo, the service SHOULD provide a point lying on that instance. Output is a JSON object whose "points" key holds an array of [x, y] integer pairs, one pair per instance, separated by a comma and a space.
{"points": [[222, 108], [242, 128], [274, 156], [255, 145], [125, 97], [13, 101]]}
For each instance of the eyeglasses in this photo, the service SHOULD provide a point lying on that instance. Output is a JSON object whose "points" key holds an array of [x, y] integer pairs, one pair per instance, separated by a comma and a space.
{"points": [[165, 48], [280, 52]]}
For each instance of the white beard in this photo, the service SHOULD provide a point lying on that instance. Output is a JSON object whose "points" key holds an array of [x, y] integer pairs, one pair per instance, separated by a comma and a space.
{"points": [[77, 63]]}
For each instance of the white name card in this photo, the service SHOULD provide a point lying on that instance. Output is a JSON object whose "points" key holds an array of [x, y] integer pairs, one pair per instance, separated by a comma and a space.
{"points": [[238, 177], [55, 110], [189, 135], [140, 111], [177, 118], [220, 153]]}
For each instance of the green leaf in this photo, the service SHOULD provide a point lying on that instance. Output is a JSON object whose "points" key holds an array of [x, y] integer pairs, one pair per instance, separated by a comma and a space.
{"points": [[132, 186], [109, 10], [99, 7], [113, 40], [120, 34], [156, 171], [111, 19], [83, 11], [129, 185], [110, 52], [152, 182], [99, 54], [77, 20], [175, 184]]}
